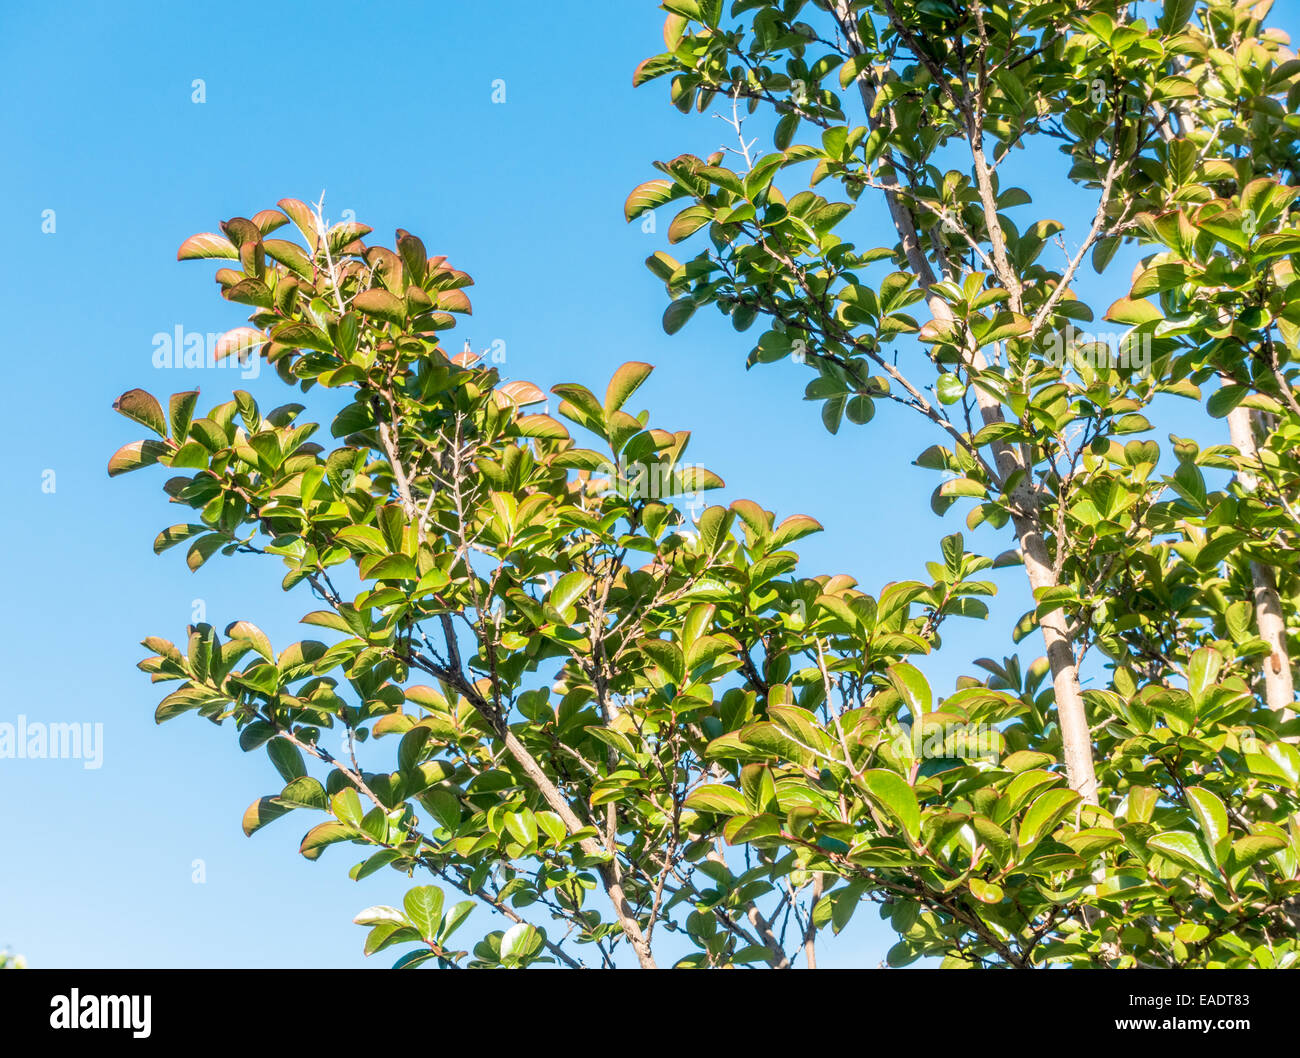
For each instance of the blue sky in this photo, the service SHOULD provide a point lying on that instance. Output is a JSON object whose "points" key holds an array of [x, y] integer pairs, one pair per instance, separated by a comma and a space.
{"points": [[388, 109]]}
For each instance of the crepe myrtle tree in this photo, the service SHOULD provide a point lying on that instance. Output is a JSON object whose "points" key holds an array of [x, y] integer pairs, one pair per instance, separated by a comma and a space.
{"points": [[1224, 274], [635, 724], [1181, 131], [604, 677], [933, 83]]}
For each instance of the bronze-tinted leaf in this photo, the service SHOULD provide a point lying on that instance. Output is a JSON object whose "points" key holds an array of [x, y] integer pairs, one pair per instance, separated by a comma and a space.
{"points": [[143, 408], [626, 380], [289, 254], [346, 237], [650, 195], [454, 301], [262, 811], [303, 216], [380, 304], [135, 455], [414, 255], [241, 231], [176, 534], [521, 393], [542, 427], [238, 341], [206, 244], [268, 220]]}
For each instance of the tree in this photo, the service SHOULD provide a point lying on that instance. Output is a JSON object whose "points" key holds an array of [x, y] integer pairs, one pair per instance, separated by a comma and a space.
{"points": [[576, 628], [636, 719], [1160, 574]]}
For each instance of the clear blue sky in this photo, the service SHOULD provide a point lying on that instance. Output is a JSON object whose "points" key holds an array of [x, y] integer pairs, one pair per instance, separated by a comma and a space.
{"points": [[388, 109]]}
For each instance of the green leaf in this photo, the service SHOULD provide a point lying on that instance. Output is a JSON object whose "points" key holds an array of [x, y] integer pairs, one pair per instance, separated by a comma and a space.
{"points": [[1005, 325], [648, 69], [912, 687], [957, 487], [1255, 847], [1133, 313], [542, 427], [424, 910], [568, 589], [950, 388], [677, 313], [523, 827], [181, 412], [1283, 243], [1093, 841], [176, 534], [720, 800], [415, 958], [1175, 88], [843, 902], [346, 805], [521, 941], [1103, 251], [1212, 818], [250, 633], [994, 838], [203, 549], [1159, 278], [1175, 15], [796, 527], [1185, 850], [298, 334], [760, 175], [1202, 671], [380, 914], [860, 409], [305, 792], [344, 234], [290, 255], [262, 811], [890, 791], [722, 177], [833, 413], [287, 759], [322, 835], [1046, 811], [392, 567], [853, 68], [1224, 399], [387, 934]]}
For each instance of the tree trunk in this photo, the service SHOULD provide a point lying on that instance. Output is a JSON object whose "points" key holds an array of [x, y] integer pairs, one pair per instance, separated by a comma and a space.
{"points": [[1076, 738], [1279, 690]]}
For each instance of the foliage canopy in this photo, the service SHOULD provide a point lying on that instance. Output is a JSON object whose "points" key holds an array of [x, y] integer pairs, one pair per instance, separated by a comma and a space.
{"points": [[618, 713]]}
